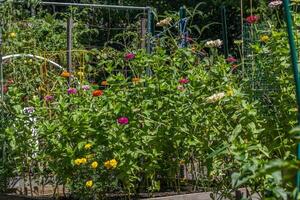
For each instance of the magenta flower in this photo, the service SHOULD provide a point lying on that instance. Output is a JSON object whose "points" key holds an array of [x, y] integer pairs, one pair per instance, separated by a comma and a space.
{"points": [[123, 120], [252, 19], [184, 81], [72, 91], [129, 56], [85, 87], [231, 59], [48, 98]]}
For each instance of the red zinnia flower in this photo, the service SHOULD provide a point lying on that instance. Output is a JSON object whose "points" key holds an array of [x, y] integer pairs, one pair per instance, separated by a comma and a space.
{"points": [[252, 19], [231, 59], [183, 81], [129, 56], [97, 93]]}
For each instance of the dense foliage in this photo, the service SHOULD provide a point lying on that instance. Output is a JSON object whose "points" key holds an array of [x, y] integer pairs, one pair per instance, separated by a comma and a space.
{"points": [[109, 127]]}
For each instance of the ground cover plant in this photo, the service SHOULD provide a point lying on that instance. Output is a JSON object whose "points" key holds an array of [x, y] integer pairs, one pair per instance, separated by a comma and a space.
{"points": [[108, 127]]}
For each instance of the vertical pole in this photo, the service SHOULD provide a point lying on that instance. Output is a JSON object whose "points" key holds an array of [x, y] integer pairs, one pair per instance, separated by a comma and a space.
{"points": [[150, 28], [182, 26], [224, 30], [69, 46], [143, 33], [150, 31], [2, 101], [294, 59]]}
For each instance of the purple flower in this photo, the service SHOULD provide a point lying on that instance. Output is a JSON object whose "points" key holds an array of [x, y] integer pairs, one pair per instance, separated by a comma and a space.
{"points": [[48, 98], [123, 120], [72, 91], [129, 56], [275, 3], [85, 87], [28, 110]]}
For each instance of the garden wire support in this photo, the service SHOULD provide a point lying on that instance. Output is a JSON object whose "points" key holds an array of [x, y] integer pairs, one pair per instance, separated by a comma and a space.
{"points": [[69, 46], [2, 100], [182, 27], [224, 30], [294, 58]]}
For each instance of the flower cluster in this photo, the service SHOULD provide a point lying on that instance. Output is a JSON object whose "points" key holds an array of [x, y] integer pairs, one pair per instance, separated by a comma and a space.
{"points": [[252, 19], [214, 43], [72, 91], [65, 74], [97, 93], [216, 97], [89, 184], [123, 120], [275, 4], [48, 98], [129, 56], [231, 59], [164, 22], [28, 110], [80, 161], [87, 146], [111, 164]]}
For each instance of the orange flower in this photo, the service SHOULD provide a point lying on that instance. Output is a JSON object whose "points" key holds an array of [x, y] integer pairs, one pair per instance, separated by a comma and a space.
{"points": [[136, 80], [104, 83], [97, 93], [65, 74]]}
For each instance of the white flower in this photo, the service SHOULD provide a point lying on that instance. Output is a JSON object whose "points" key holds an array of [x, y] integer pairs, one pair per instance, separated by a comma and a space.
{"points": [[164, 22], [274, 4], [216, 97], [214, 43]]}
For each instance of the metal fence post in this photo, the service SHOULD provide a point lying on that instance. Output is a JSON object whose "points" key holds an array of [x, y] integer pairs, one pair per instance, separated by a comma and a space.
{"points": [[224, 31], [294, 59], [182, 27], [69, 46], [150, 31]]}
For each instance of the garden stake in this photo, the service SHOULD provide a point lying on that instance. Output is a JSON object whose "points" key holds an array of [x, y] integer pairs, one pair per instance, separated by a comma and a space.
{"points": [[224, 30], [150, 30], [69, 46], [182, 27], [294, 58], [2, 100]]}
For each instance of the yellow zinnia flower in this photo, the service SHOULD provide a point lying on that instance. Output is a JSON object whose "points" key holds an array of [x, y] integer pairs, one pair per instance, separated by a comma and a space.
{"points": [[264, 38], [83, 160], [113, 163], [89, 183], [107, 164], [94, 165], [12, 35], [88, 146], [77, 161]]}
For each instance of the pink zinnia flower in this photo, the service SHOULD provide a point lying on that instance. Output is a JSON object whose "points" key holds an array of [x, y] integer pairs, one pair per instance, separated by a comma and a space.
{"points": [[72, 91], [123, 120], [183, 81], [252, 19], [231, 59], [48, 98], [85, 87], [129, 56]]}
